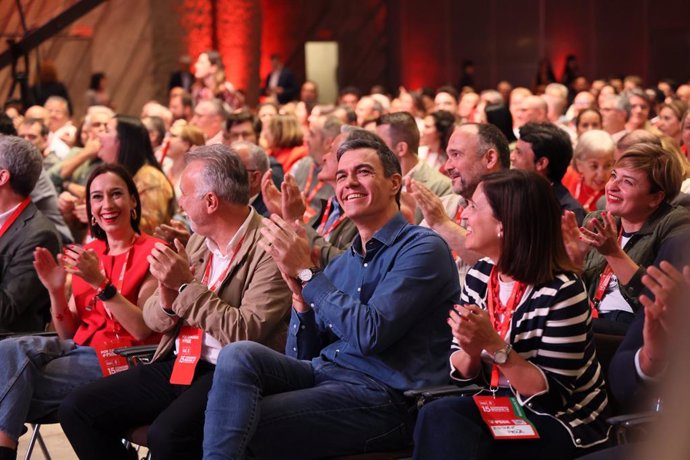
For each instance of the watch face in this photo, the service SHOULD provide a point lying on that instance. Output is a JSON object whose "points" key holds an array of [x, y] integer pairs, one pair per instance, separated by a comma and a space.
{"points": [[501, 356], [305, 275]]}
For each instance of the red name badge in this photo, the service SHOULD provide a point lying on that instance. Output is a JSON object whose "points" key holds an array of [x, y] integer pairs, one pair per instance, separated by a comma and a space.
{"points": [[110, 362], [188, 355], [505, 417]]}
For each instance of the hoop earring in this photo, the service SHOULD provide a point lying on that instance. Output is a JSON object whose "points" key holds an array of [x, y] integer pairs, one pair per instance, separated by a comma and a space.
{"points": [[134, 214], [93, 221]]}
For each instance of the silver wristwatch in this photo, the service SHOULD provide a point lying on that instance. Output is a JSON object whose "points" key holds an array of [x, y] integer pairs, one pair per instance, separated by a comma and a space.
{"points": [[501, 355], [305, 275]]}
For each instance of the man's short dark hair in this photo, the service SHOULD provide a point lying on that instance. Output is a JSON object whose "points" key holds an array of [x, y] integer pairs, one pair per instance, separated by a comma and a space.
{"points": [[243, 116], [186, 99], [32, 121], [350, 114], [363, 139], [350, 90], [403, 128], [490, 137], [549, 141], [23, 161], [7, 125], [450, 90]]}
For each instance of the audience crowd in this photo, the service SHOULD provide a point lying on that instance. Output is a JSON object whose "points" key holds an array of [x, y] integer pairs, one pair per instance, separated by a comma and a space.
{"points": [[302, 264]]}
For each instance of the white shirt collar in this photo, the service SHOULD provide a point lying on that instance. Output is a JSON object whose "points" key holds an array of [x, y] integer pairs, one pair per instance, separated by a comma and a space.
{"points": [[6, 215], [239, 234]]}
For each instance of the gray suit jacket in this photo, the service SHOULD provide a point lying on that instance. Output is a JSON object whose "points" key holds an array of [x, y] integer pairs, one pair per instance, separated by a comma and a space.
{"points": [[24, 302], [45, 198]]}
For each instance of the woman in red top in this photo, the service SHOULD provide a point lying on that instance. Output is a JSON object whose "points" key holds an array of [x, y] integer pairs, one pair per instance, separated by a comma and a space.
{"points": [[284, 139], [110, 280], [592, 163]]}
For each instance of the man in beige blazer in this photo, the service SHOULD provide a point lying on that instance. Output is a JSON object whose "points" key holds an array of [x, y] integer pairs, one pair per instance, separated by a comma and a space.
{"points": [[220, 289]]}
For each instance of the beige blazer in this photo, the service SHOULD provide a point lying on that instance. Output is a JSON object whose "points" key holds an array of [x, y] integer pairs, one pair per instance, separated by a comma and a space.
{"points": [[252, 303]]}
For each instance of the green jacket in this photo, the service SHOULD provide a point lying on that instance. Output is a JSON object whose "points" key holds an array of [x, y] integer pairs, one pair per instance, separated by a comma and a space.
{"points": [[643, 246]]}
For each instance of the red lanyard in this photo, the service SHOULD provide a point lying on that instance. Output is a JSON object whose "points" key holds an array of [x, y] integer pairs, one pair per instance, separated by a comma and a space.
{"points": [[458, 215], [120, 279], [605, 277], [164, 151], [324, 219], [319, 184], [219, 280], [15, 214], [497, 308], [578, 191], [190, 338], [309, 197]]}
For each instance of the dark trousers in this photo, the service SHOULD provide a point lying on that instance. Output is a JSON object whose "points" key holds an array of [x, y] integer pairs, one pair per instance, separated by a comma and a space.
{"points": [[451, 428], [97, 416], [614, 322]]}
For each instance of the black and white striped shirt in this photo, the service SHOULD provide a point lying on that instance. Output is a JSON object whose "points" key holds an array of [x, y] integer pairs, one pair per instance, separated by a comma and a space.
{"points": [[551, 328]]}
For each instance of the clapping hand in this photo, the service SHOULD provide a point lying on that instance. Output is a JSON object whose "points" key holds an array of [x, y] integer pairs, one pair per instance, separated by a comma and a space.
{"points": [[49, 271], [171, 268], [471, 327], [667, 285], [602, 234], [83, 263], [174, 230]]}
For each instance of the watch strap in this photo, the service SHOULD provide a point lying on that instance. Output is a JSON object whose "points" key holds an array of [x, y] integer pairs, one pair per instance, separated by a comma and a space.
{"points": [[107, 293]]}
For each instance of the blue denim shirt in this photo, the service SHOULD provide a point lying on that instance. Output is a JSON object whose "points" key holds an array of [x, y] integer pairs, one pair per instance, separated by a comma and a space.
{"points": [[383, 314]]}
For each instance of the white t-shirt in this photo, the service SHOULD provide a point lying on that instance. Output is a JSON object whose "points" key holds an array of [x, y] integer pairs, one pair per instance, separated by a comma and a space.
{"points": [[613, 298]]}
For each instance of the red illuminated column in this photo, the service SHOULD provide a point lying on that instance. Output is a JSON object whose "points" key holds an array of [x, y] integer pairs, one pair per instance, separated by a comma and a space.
{"points": [[197, 23], [238, 28]]}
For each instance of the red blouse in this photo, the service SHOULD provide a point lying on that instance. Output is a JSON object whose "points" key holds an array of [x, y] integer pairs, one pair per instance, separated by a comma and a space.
{"points": [[584, 194], [288, 156], [96, 325]]}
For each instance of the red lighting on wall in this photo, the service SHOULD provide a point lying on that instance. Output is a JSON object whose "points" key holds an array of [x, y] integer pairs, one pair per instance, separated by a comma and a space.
{"points": [[196, 21], [236, 31]]}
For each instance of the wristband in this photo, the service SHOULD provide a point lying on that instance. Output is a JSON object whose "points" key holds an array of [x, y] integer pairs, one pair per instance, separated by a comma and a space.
{"points": [[107, 293]]}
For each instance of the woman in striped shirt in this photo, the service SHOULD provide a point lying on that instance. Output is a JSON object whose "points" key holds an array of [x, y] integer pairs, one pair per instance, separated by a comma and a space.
{"points": [[523, 331]]}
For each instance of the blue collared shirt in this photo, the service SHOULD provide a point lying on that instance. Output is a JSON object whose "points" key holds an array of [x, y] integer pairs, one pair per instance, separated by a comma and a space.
{"points": [[384, 313]]}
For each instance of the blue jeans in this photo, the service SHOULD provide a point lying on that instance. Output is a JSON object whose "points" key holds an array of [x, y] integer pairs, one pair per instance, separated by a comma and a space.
{"points": [[264, 404], [36, 374]]}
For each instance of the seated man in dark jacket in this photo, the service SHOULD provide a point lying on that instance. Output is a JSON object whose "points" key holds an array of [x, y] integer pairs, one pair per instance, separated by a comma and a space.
{"points": [[24, 302]]}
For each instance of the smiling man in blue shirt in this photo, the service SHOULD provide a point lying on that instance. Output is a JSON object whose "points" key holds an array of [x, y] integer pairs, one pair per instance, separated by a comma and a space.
{"points": [[369, 326]]}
